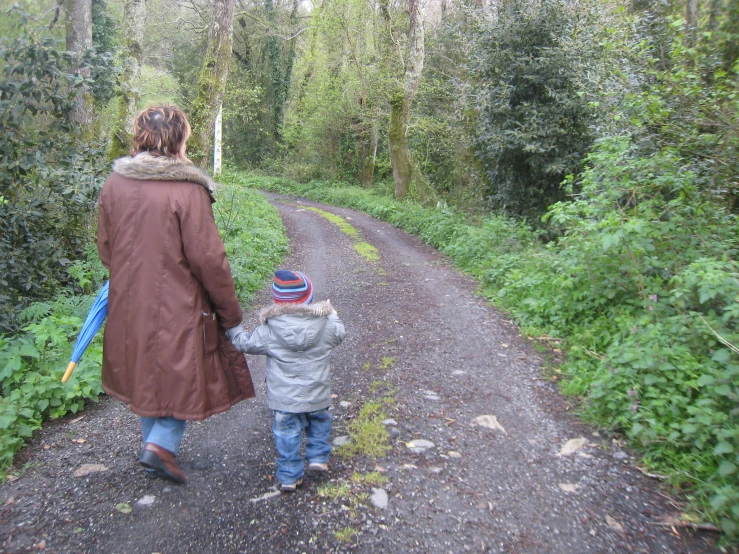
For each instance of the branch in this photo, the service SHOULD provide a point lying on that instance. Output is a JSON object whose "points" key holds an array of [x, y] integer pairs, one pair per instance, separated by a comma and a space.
{"points": [[268, 28], [720, 338], [680, 523], [57, 12]]}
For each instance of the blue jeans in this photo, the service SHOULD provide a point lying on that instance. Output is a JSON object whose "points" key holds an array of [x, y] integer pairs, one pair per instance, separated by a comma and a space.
{"points": [[288, 431], [166, 432]]}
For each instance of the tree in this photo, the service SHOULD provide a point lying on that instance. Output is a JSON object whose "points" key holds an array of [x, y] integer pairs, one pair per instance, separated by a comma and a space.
{"points": [[79, 39], [534, 126], [134, 23], [402, 98], [212, 80]]}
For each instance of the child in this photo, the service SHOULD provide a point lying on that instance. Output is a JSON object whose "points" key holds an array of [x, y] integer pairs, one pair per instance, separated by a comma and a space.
{"points": [[297, 338]]}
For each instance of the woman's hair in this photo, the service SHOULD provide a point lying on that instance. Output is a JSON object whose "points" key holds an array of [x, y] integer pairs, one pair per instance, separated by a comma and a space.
{"points": [[161, 131]]}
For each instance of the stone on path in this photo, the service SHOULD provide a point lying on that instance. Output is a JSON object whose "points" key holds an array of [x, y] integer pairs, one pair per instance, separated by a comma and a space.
{"points": [[345, 404], [419, 446], [146, 500], [572, 446], [342, 440], [266, 496], [201, 464], [489, 421], [454, 454], [459, 372], [379, 498], [568, 487], [615, 525], [86, 469], [389, 422]]}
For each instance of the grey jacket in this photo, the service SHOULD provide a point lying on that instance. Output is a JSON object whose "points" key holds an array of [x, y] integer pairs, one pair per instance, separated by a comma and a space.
{"points": [[297, 340]]}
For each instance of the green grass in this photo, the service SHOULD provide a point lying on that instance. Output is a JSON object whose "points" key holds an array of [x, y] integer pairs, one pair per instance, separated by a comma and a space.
{"points": [[367, 251], [372, 478], [338, 221], [364, 249], [346, 534], [369, 437], [334, 491], [254, 235]]}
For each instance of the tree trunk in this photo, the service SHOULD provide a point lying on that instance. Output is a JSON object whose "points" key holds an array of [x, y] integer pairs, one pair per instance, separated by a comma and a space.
{"points": [[274, 49], [218, 133], [716, 7], [79, 38], [134, 23], [212, 80], [398, 144], [691, 19], [401, 102], [369, 157]]}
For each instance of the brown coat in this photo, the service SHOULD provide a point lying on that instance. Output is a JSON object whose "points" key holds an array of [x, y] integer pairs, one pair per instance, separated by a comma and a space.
{"points": [[171, 293]]}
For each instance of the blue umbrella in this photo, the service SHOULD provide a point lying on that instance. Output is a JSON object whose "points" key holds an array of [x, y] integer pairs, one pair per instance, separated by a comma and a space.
{"points": [[93, 321]]}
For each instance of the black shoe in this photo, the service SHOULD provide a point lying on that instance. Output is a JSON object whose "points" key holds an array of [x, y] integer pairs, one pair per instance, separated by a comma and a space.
{"points": [[162, 461]]}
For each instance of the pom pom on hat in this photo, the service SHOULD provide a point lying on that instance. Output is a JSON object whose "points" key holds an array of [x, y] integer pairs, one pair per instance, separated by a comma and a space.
{"points": [[291, 286]]}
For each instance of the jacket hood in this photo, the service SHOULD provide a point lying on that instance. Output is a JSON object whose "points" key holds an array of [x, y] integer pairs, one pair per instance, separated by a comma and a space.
{"points": [[145, 167], [298, 326], [319, 309]]}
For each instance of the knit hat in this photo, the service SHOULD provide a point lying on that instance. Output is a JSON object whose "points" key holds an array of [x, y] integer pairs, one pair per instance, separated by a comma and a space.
{"points": [[291, 286]]}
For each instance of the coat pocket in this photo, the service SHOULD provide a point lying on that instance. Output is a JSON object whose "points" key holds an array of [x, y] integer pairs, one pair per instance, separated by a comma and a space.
{"points": [[210, 333]]}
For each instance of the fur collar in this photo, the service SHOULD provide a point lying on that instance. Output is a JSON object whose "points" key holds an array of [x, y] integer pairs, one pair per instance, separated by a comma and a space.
{"points": [[319, 309], [146, 167]]}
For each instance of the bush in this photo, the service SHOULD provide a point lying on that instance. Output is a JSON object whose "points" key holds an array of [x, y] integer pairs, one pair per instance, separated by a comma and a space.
{"points": [[30, 380], [49, 178], [534, 118], [253, 233]]}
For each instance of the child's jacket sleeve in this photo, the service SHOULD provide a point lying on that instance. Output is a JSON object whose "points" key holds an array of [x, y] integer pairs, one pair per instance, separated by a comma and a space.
{"points": [[255, 342], [335, 331]]}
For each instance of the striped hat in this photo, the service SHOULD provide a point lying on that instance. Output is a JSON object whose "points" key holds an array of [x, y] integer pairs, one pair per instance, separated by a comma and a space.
{"points": [[291, 286]]}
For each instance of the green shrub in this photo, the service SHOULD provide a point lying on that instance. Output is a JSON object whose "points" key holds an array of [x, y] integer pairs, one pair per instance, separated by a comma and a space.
{"points": [[253, 233], [530, 64], [49, 175], [30, 373]]}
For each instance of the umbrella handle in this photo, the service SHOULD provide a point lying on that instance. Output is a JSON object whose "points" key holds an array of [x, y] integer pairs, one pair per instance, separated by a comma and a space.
{"points": [[67, 373]]}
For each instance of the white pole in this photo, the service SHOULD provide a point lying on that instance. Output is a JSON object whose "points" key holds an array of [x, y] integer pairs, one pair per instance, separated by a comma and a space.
{"points": [[217, 143]]}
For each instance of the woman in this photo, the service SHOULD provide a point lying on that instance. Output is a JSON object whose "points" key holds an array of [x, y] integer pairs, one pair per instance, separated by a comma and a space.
{"points": [[171, 292]]}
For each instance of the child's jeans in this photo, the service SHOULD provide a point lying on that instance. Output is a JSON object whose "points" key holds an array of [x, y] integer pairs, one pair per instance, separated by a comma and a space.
{"points": [[288, 431]]}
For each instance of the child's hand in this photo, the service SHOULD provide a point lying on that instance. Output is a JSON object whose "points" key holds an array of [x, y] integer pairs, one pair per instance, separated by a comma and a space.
{"points": [[238, 337], [331, 309]]}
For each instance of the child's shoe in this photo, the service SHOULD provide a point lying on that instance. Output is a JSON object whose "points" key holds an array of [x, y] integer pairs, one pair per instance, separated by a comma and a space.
{"points": [[317, 467], [284, 487]]}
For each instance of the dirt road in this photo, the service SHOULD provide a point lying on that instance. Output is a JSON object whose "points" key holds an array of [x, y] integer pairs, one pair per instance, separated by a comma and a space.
{"points": [[481, 459]]}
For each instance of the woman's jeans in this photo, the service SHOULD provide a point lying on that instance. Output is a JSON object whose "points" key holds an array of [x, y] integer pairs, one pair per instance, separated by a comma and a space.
{"points": [[288, 431], [166, 432]]}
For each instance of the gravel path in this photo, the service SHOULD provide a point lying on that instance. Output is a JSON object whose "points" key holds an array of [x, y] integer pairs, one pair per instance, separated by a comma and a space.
{"points": [[481, 458]]}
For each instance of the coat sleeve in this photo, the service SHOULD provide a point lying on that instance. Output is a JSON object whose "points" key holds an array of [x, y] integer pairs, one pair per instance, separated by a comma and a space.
{"points": [[103, 239], [206, 255], [336, 331], [257, 341]]}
